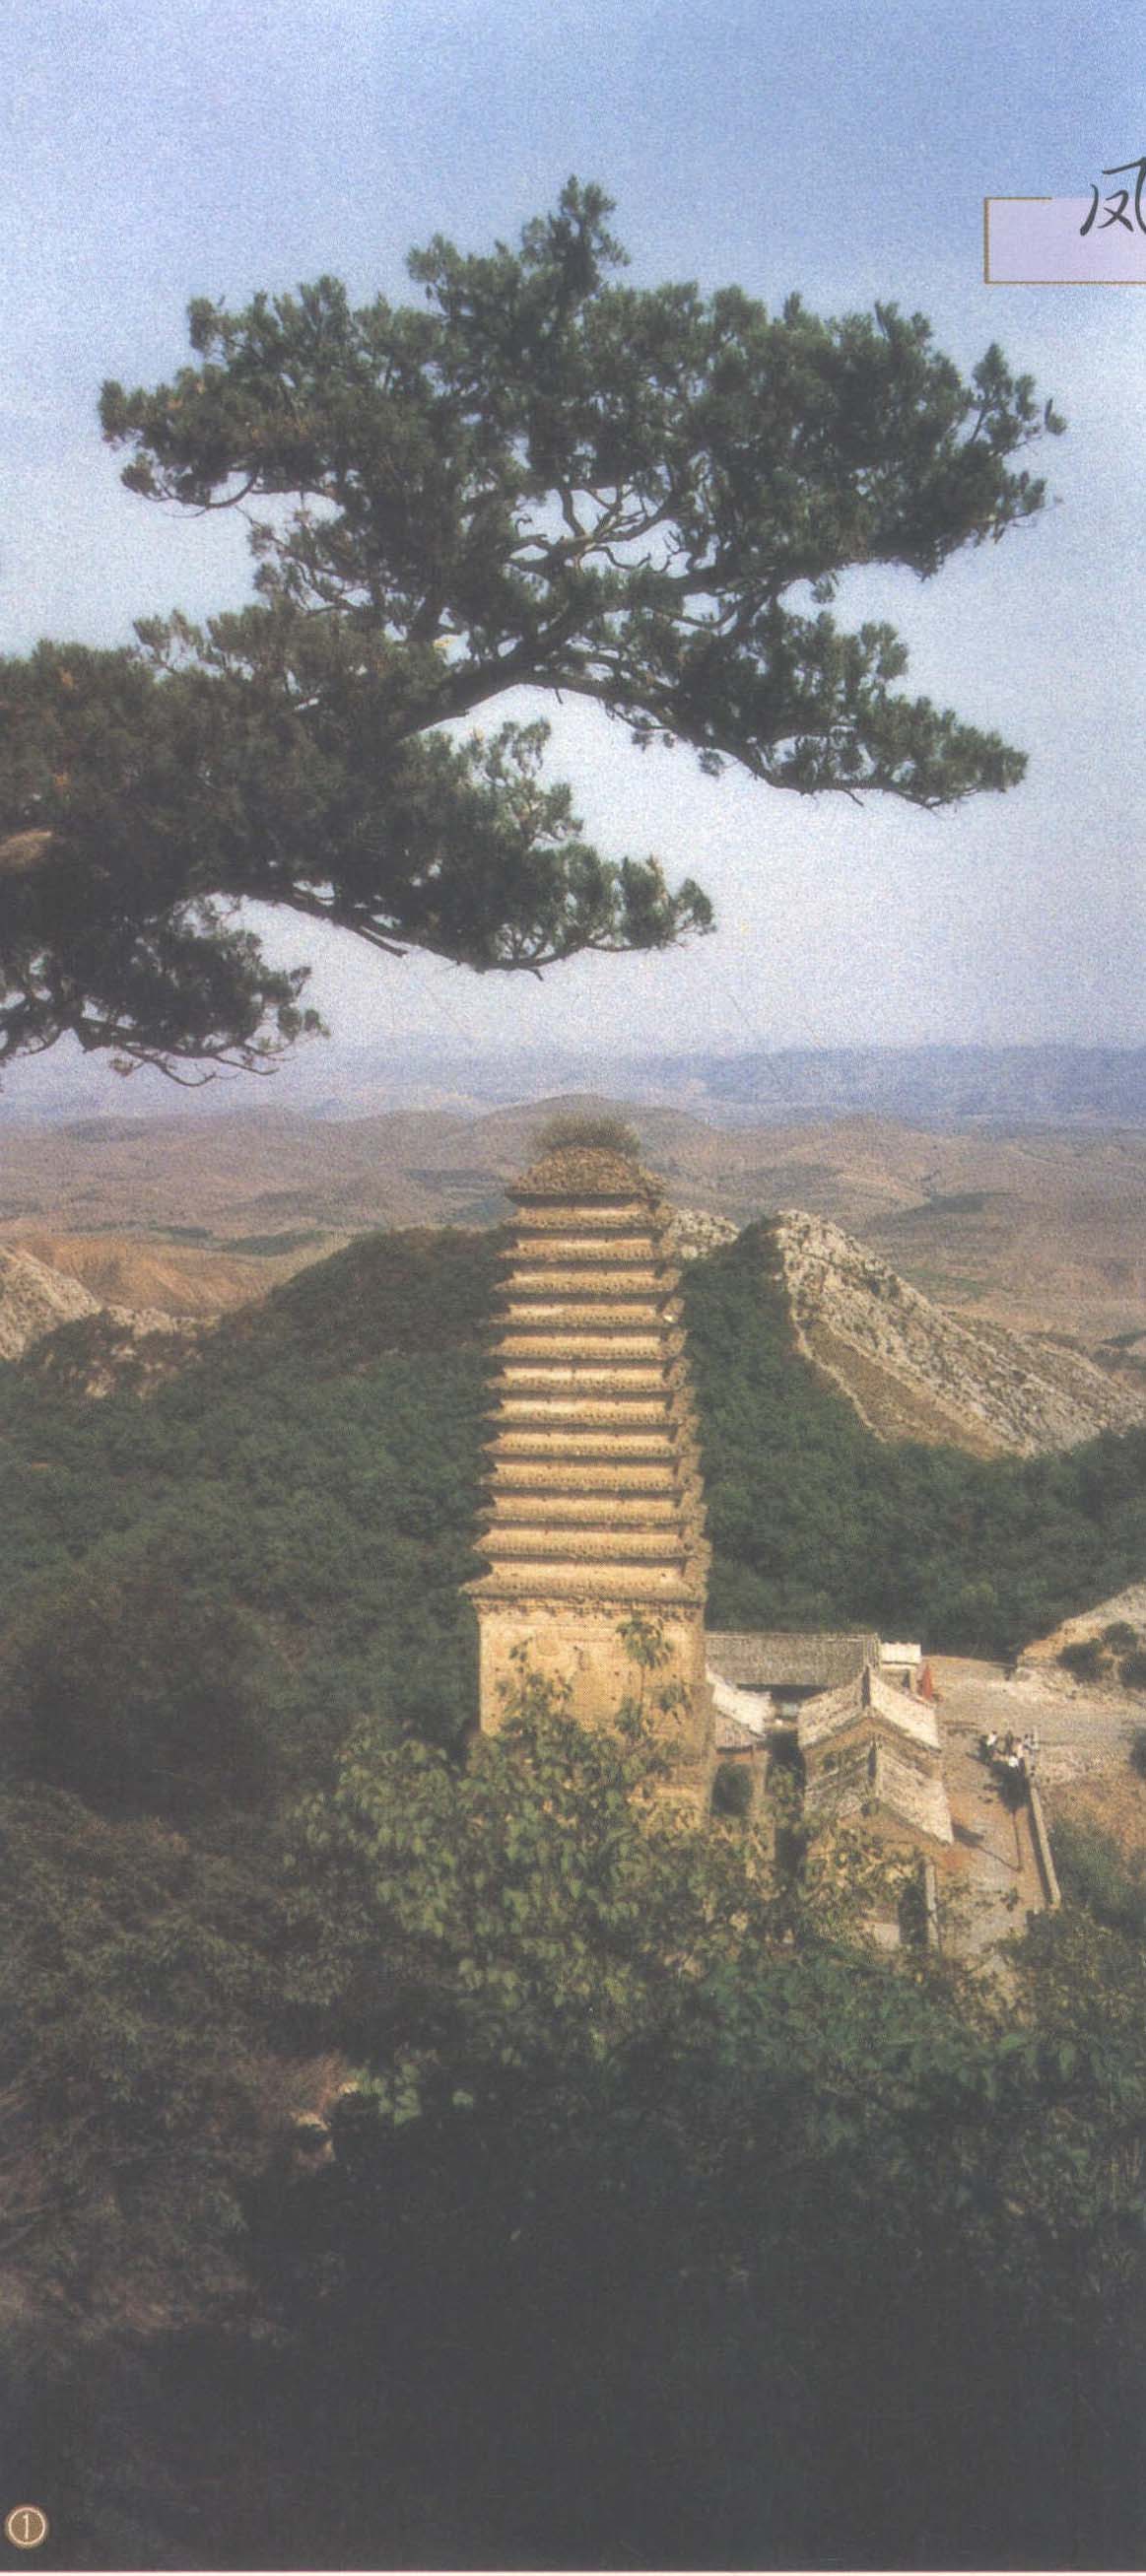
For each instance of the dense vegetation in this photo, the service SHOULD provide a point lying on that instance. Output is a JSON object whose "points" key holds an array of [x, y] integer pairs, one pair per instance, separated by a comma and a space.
{"points": [[315, 1476], [814, 1522], [667, 2224], [273, 1544]]}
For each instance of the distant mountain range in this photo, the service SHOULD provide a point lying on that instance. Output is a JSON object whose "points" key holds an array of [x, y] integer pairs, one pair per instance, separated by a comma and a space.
{"points": [[1017, 1086], [926, 1086], [1042, 1227]]}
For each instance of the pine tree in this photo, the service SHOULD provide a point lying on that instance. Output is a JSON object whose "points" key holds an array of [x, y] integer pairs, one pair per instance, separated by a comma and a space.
{"points": [[537, 477]]}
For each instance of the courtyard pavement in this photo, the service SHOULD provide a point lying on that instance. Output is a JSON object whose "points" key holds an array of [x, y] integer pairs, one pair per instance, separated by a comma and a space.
{"points": [[990, 1878]]}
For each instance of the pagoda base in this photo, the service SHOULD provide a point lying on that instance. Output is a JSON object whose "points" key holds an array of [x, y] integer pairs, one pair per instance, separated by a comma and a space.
{"points": [[578, 1646]]}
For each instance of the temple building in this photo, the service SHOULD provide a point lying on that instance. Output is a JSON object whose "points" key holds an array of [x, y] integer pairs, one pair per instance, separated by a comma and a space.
{"points": [[871, 1750], [868, 1746], [595, 1517], [594, 1542], [763, 1674]]}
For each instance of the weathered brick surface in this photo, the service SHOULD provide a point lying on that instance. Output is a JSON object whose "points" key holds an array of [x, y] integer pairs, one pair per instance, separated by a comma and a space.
{"points": [[596, 1511]]}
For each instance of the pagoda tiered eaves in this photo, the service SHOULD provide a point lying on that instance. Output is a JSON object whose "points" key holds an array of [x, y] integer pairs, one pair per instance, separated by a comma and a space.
{"points": [[594, 1500]]}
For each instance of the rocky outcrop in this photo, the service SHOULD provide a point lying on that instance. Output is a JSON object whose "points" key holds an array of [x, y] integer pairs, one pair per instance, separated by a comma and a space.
{"points": [[113, 1352], [693, 1233], [55, 1323], [35, 1300], [914, 1371]]}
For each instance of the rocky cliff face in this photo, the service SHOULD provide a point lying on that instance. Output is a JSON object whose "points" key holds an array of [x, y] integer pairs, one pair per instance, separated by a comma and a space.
{"points": [[693, 1233], [913, 1371], [35, 1300], [101, 1347]]}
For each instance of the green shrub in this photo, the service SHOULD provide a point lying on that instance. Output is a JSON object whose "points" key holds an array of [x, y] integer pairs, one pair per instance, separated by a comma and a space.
{"points": [[132, 1687], [912, 1915], [587, 1128], [1121, 1636], [1132, 1669], [1094, 1874], [732, 1790], [1138, 1751], [1086, 1659]]}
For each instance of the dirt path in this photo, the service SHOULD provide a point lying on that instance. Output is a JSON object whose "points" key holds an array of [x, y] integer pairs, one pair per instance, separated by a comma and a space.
{"points": [[1078, 1736], [1078, 1731]]}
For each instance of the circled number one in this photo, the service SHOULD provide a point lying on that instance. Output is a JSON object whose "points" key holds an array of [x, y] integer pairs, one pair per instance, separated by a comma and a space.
{"points": [[26, 2527]]}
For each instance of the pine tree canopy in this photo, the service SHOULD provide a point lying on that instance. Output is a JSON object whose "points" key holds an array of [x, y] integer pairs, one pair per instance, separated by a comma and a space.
{"points": [[536, 477]]}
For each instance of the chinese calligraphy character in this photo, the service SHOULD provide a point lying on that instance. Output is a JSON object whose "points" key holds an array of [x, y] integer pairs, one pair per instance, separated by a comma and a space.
{"points": [[1119, 199]]}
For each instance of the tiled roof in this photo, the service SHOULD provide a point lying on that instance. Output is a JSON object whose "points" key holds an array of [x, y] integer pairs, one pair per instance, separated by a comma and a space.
{"points": [[894, 1710], [767, 1658], [733, 1736]]}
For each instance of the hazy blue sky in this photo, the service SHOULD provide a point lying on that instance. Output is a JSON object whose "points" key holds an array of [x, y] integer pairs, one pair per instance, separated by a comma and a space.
{"points": [[156, 149]]}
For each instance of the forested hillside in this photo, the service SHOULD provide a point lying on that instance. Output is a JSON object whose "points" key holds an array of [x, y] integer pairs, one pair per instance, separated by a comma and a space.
{"points": [[316, 1471], [815, 1522], [311, 1480], [650, 2166]]}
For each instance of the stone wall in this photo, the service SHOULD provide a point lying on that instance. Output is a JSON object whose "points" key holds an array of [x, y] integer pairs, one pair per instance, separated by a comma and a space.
{"points": [[868, 1775], [579, 1645], [912, 1791], [840, 1786], [869, 1747]]}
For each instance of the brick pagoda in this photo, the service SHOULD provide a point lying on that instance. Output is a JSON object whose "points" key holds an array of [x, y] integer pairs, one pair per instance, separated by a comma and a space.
{"points": [[596, 1509]]}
